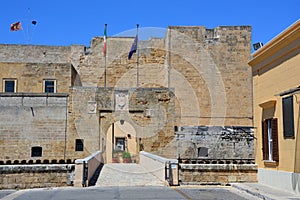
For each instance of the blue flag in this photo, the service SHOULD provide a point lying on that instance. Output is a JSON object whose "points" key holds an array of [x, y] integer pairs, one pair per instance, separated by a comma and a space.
{"points": [[133, 47]]}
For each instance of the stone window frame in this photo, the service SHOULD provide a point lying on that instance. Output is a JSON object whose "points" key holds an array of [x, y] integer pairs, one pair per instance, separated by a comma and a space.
{"points": [[54, 85], [9, 80]]}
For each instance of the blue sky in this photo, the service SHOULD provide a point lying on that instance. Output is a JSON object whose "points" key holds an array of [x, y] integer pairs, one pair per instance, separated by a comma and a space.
{"points": [[67, 22]]}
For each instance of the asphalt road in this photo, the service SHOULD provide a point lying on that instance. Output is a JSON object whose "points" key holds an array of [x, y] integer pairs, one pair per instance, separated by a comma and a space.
{"points": [[147, 192], [213, 193]]}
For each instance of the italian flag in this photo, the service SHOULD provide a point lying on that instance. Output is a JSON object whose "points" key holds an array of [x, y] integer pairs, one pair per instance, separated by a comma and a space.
{"points": [[104, 42]]}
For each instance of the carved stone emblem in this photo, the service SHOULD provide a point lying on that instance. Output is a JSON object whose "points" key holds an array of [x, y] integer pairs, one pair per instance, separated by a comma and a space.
{"points": [[121, 101], [91, 107]]}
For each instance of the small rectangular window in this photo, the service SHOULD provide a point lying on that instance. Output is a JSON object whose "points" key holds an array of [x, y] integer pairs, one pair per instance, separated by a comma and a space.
{"points": [[202, 152], [36, 152], [49, 86], [9, 85], [120, 144], [79, 145], [288, 117], [175, 128]]}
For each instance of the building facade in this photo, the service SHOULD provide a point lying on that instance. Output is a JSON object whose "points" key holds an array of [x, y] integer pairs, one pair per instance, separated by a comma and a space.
{"points": [[276, 72], [189, 95]]}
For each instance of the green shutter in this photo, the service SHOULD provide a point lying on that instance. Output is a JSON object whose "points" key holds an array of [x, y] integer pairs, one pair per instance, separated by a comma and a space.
{"points": [[288, 117]]}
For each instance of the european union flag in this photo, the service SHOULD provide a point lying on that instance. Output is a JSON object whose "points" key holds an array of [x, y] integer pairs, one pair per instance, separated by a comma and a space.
{"points": [[133, 47]]}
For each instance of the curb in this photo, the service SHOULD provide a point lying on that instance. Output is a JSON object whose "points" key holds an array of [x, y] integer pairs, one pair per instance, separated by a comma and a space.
{"points": [[250, 191]]}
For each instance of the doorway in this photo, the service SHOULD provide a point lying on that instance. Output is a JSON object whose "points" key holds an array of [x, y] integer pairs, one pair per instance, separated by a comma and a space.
{"points": [[121, 141]]}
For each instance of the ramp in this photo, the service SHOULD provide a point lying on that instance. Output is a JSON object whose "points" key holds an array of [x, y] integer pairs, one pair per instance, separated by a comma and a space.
{"points": [[119, 174]]}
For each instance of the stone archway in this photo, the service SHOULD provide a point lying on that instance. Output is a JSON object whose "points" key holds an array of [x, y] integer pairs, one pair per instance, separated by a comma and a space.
{"points": [[121, 140], [147, 112]]}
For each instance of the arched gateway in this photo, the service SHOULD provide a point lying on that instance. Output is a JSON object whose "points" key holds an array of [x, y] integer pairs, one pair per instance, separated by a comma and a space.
{"points": [[133, 119]]}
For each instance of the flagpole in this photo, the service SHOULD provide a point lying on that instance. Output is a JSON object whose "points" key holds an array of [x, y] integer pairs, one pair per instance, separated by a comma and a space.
{"points": [[137, 58], [169, 59], [105, 29], [28, 19]]}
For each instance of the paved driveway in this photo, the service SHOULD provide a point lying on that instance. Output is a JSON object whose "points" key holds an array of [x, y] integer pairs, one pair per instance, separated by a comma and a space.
{"points": [[118, 174]]}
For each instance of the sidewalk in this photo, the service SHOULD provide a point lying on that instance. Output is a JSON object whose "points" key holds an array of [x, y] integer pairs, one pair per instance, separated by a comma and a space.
{"points": [[265, 192]]}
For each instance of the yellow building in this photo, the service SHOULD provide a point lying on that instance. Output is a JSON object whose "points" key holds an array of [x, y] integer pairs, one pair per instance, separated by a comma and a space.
{"points": [[276, 104]]}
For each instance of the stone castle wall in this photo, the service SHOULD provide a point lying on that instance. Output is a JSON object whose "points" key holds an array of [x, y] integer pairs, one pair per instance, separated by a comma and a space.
{"points": [[40, 54], [149, 111], [210, 74], [216, 142], [206, 70], [34, 120], [121, 72], [206, 67], [30, 76], [83, 121]]}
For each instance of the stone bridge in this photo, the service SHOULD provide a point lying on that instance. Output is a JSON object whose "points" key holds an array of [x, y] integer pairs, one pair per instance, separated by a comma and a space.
{"points": [[119, 174], [152, 170]]}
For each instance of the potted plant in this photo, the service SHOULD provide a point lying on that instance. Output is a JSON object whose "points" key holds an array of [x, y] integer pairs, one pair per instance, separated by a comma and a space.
{"points": [[126, 157], [115, 157]]}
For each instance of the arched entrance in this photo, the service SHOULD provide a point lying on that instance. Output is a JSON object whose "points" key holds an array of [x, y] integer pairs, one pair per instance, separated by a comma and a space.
{"points": [[121, 142]]}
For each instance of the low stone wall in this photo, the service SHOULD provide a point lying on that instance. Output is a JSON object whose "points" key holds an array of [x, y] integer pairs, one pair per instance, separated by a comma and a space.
{"points": [[35, 176], [217, 173], [155, 164]]}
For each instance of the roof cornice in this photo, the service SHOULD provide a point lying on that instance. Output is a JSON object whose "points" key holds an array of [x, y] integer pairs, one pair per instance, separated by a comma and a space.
{"points": [[282, 40]]}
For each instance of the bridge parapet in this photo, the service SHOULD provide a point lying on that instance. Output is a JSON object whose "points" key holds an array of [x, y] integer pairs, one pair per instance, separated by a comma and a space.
{"points": [[215, 161], [217, 173], [86, 168], [155, 164]]}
